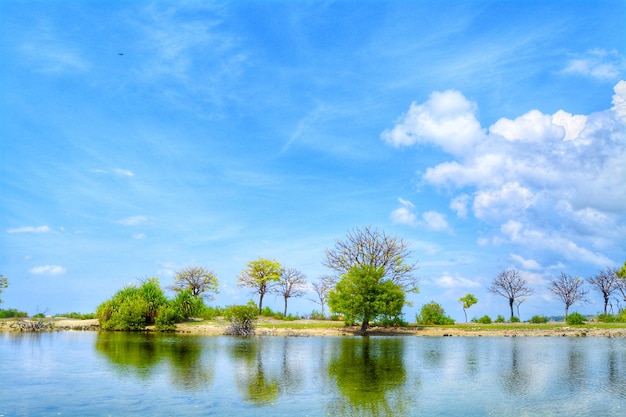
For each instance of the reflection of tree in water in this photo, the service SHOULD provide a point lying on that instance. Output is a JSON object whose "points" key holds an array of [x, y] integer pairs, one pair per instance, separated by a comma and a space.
{"points": [[140, 353], [515, 378], [616, 364], [253, 381], [576, 366], [370, 375]]}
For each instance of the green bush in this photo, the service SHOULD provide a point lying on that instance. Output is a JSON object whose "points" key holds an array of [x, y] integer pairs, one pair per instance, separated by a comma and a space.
{"points": [[187, 305], [575, 318], [484, 319], [433, 313], [539, 319], [12, 312], [499, 319], [242, 319], [77, 316], [515, 319], [209, 313], [267, 312], [396, 321], [167, 317], [609, 318], [316, 315]]}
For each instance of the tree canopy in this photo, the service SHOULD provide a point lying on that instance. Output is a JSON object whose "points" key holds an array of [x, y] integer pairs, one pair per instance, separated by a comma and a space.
{"points": [[200, 281], [370, 248], [606, 283], [364, 295], [467, 301], [510, 285], [261, 275], [569, 289], [292, 283]]}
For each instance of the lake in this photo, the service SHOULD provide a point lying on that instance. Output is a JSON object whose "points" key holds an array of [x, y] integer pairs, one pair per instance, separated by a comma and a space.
{"points": [[137, 374]]}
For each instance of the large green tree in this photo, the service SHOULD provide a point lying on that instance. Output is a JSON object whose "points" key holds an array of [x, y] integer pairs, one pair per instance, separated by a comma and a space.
{"points": [[370, 248], [200, 281], [261, 275], [364, 294]]}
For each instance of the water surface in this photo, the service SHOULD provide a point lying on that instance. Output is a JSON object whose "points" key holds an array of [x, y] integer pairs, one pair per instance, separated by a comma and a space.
{"points": [[130, 374]]}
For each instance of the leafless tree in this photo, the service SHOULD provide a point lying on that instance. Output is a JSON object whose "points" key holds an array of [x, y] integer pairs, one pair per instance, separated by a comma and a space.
{"points": [[606, 283], [510, 285], [370, 248], [292, 283], [322, 288], [202, 282], [569, 289]]}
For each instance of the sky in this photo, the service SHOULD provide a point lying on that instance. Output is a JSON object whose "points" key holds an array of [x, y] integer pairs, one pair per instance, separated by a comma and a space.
{"points": [[139, 138]]}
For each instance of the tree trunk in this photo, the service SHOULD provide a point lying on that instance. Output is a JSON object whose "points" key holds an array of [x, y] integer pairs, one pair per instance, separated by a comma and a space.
{"points": [[566, 308], [606, 302], [260, 303], [285, 313], [465, 312], [364, 325], [511, 300]]}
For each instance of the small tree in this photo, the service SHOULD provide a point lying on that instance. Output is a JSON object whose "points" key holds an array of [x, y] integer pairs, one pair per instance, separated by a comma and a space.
{"points": [[569, 289], [242, 319], [510, 285], [605, 282], [260, 275], [291, 283], [4, 283], [200, 281], [433, 313], [322, 288], [370, 248], [363, 295], [467, 301]]}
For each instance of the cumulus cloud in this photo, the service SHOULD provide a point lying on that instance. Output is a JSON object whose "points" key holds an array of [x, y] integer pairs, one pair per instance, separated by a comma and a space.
{"points": [[29, 229], [597, 63], [47, 270], [407, 214], [554, 181]]}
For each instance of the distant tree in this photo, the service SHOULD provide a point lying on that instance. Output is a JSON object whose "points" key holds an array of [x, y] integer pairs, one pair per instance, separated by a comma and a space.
{"points": [[4, 283], [433, 313], [364, 295], [370, 248], [518, 303], [200, 281], [467, 301], [322, 288], [605, 282], [291, 283], [569, 289], [261, 275], [510, 285]]}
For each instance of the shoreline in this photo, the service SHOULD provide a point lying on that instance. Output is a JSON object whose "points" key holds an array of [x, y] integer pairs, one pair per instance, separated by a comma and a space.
{"points": [[268, 327]]}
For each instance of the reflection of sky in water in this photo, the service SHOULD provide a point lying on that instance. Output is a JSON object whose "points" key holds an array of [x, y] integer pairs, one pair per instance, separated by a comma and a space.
{"points": [[138, 374]]}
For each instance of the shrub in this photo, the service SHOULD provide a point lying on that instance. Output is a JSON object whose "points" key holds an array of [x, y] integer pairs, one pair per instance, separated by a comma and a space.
{"points": [[609, 318], [395, 321], [77, 316], [12, 312], [39, 316], [539, 319], [515, 319], [499, 319], [242, 319], [433, 313], [186, 304], [267, 312], [166, 319], [316, 315], [575, 318], [484, 319], [209, 313]]}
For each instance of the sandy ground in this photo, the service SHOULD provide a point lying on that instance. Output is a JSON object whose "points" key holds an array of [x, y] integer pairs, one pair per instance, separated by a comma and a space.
{"points": [[268, 327]]}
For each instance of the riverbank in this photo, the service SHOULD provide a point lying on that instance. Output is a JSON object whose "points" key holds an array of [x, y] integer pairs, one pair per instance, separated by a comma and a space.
{"points": [[304, 328]]}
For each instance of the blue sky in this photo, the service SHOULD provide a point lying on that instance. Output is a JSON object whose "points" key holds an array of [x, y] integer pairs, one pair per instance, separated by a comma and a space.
{"points": [[490, 135]]}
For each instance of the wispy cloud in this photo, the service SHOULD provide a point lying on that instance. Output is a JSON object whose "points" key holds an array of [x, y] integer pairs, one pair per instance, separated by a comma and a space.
{"points": [[29, 229], [48, 52], [598, 63], [47, 270], [120, 172], [132, 220]]}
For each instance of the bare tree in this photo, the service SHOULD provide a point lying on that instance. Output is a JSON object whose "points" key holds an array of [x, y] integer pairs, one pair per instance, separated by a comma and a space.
{"points": [[202, 282], [606, 283], [291, 283], [370, 248], [322, 288], [569, 289], [510, 285]]}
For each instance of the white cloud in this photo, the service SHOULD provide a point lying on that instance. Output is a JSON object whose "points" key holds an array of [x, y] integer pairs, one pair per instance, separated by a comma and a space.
{"points": [[132, 220], [449, 281], [29, 229], [599, 64], [120, 172], [431, 220], [525, 263], [47, 270], [459, 205], [139, 236], [446, 119], [530, 127], [501, 203]]}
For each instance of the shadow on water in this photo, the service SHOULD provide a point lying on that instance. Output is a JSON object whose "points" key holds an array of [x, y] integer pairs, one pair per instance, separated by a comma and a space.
{"points": [[141, 354]]}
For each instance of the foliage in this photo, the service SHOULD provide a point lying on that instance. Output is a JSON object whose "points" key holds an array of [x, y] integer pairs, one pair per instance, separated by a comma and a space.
{"points": [[486, 319], [575, 318], [467, 301], [322, 288], [364, 295], [132, 307], [39, 316], [539, 319], [396, 321], [186, 304], [610, 318], [77, 316], [200, 281], [4, 283], [605, 282], [291, 283], [375, 250], [167, 318], [510, 285], [12, 312], [209, 313], [569, 289], [515, 319], [500, 319], [316, 315], [242, 319], [433, 313], [261, 275]]}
